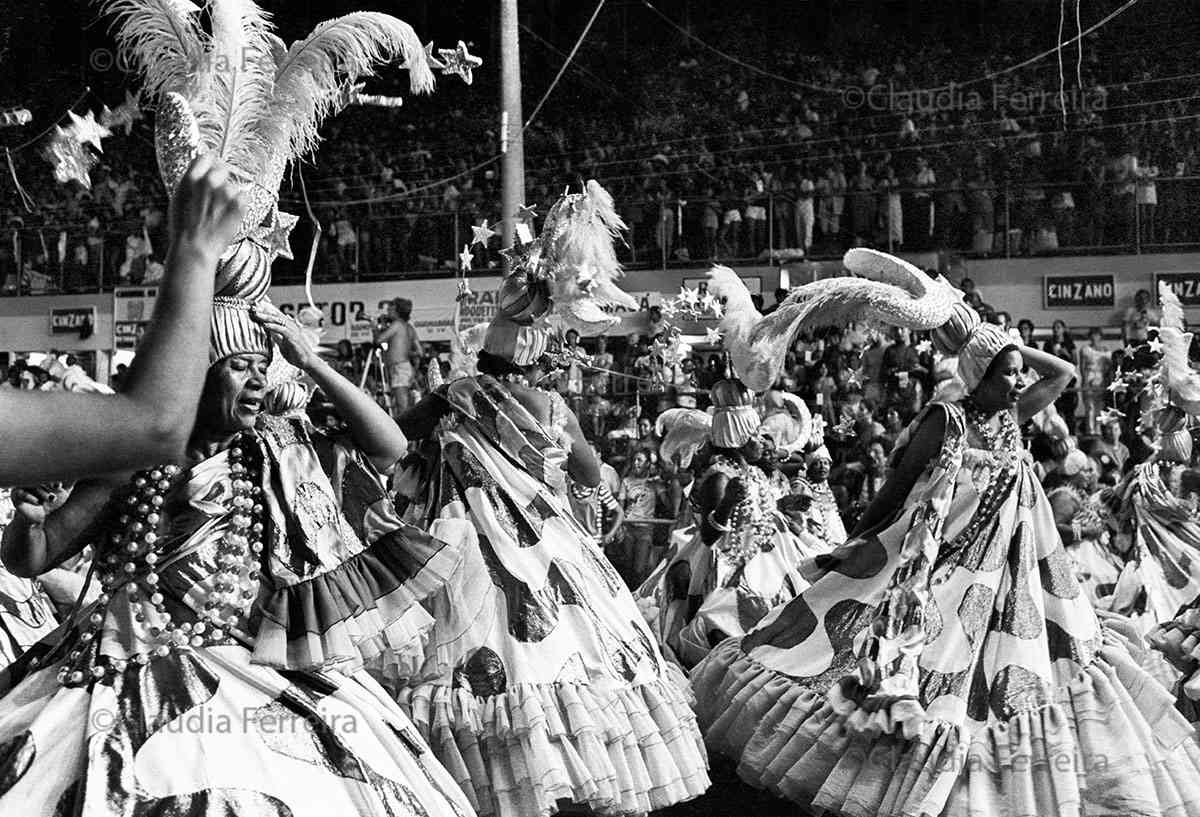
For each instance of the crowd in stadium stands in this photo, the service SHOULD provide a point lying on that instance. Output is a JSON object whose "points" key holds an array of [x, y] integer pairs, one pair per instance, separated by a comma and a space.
{"points": [[908, 146]]}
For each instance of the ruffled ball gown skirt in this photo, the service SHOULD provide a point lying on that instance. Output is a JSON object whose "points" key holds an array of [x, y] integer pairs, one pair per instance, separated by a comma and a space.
{"points": [[208, 734], [974, 680], [541, 681]]}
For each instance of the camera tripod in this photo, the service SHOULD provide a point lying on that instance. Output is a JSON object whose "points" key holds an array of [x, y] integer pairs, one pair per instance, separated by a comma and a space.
{"points": [[383, 386]]}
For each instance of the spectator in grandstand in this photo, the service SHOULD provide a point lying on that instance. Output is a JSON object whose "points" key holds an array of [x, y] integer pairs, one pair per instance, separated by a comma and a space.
{"points": [[1139, 318], [1062, 345]]}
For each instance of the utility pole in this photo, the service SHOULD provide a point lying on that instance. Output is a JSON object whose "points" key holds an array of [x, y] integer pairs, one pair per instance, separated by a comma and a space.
{"points": [[511, 120]]}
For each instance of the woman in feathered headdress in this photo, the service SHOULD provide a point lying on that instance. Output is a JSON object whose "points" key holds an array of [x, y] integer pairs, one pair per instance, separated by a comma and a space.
{"points": [[542, 682], [945, 660], [742, 558], [243, 585]]}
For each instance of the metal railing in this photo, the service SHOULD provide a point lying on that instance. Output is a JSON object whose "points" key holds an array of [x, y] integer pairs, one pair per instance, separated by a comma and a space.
{"points": [[1009, 219]]}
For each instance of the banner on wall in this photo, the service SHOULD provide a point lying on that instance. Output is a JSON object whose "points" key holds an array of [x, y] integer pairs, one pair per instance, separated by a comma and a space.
{"points": [[352, 309], [1185, 284], [132, 310], [753, 284], [1079, 291], [70, 320]]}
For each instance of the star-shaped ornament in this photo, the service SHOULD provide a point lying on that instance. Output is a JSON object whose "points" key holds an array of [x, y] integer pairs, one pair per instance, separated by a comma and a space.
{"points": [[1155, 346], [71, 161], [459, 61], [924, 347], [86, 130], [433, 62], [482, 234], [273, 235], [125, 114], [717, 308], [518, 256], [465, 258], [688, 296], [712, 336]]}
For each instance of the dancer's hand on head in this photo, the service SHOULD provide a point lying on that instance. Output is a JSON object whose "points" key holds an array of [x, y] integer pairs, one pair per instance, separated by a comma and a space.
{"points": [[206, 210], [36, 503], [285, 331]]}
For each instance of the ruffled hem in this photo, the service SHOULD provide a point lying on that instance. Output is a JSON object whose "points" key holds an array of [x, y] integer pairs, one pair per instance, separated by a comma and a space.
{"points": [[1109, 744], [363, 609], [630, 751]]}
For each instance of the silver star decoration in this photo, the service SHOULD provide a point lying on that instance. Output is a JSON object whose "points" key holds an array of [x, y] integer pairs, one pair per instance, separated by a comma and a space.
{"points": [[924, 347], [459, 61], [71, 161], [482, 234], [717, 308], [712, 335], [1155, 345], [273, 236], [688, 296], [125, 114], [465, 258], [434, 62], [86, 130]]}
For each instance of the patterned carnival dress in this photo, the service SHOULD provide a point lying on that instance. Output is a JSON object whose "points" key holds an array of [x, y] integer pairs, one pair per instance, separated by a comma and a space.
{"points": [[1163, 571], [203, 681], [1097, 566], [542, 682], [705, 593], [947, 663]]}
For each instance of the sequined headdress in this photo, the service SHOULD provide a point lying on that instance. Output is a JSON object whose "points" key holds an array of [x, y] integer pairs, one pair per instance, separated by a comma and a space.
{"points": [[238, 92], [562, 280], [235, 331]]}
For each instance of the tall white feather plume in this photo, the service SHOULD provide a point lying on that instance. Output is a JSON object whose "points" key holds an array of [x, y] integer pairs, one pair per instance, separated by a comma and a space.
{"points": [[895, 292], [1183, 383], [683, 431], [235, 95], [162, 40], [310, 74], [577, 251]]}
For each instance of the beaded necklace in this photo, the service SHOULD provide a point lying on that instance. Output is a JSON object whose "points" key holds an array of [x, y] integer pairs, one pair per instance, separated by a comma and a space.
{"points": [[978, 418], [129, 568], [751, 524]]}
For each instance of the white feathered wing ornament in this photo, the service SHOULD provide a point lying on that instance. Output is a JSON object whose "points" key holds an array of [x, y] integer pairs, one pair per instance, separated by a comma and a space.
{"points": [[891, 291], [1182, 382], [683, 431], [791, 427]]}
